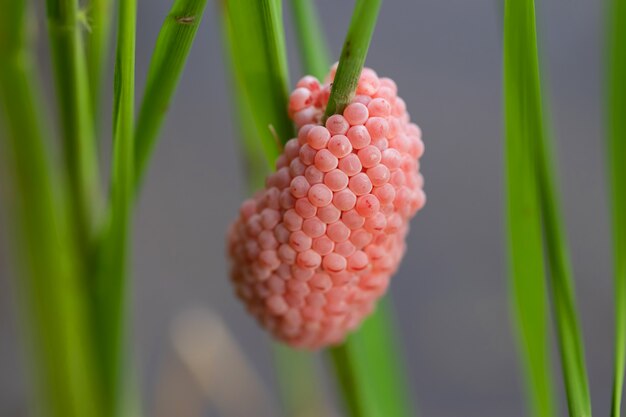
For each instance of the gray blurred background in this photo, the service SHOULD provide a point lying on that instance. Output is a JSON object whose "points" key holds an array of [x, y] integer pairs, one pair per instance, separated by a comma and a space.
{"points": [[451, 292]]}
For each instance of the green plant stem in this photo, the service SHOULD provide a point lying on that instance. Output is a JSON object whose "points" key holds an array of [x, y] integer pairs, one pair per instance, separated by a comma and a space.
{"points": [[72, 85], [524, 80], [260, 61], [254, 162], [369, 370], [353, 55], [298, 381], [168, 60], [99, 19], [526, 259], [368, 364], [54, 300], [616, 122], [311, 43], [114, 250]]}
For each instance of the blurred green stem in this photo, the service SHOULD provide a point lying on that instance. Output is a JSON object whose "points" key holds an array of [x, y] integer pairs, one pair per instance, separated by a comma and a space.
{"points": [[97, 46], [74, 104], [54, 297], [616, 122], [370, 370], [257, 42], [112, 278], [311, 42]]}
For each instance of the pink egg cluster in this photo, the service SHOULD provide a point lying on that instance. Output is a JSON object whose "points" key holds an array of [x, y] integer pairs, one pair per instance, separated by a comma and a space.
{"points": [[313, 251]]}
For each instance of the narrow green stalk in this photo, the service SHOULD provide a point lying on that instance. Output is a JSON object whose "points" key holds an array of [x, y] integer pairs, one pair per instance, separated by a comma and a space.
{"points": [[298, 382], [353, 55], [72, 84], [369, 369], [616, 122], [371, 386], [312, 45], [114, 250], [368, 363], [255, 163], [98, 16], [168, 60], [523, 81], [260, 62], [526, 261], [53, 295]]}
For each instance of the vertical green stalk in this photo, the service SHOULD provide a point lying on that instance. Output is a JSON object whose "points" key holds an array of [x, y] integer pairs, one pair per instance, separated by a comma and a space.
{"points": [[113, 267], [370, 371], [72, 85], [260, 62], [98, 16], [255, 163], [524, 103], [54, 299], [368, 364], [298, 381], [311, 42], [526, 261], [616, 122], [166, 66], [353, 55]]}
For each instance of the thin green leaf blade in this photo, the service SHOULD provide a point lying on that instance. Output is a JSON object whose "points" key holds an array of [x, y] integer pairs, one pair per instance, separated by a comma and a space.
{"points": [[51, 285], [525, 120], [311, 42], [166, 66], [111, 281], [98, 20], [73, 96], [616, 122], [298, 380], [260, 62], [526, 263]]}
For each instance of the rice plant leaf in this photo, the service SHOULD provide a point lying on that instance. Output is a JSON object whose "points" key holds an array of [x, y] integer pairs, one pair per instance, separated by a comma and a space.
{"points": [[111, 281], [52, 291], [312, 45], [526, 263], [98, 17], [255, 162], [616, 123], [526, 133], [166, 66], [260, 63], [299, 383], [74, 106]]}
